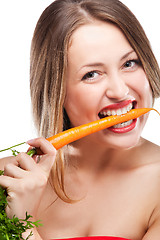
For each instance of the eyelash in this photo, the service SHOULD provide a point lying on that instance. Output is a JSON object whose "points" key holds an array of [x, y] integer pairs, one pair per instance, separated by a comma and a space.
{"points": [[135, 61], [89, 78]]}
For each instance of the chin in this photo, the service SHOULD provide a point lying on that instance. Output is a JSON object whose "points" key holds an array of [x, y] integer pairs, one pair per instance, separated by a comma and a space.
{"points": [[126, 144], [124, 141]]}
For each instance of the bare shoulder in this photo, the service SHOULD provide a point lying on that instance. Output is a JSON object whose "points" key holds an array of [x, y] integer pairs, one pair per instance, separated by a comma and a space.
{"points": [[152, 180], [151, 152], [149, 168], [151, 155], [6, 160]]}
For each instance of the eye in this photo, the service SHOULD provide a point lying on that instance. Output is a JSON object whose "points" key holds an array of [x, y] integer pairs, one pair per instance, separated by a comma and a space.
{"points": [[131, 64], [90, 75]]}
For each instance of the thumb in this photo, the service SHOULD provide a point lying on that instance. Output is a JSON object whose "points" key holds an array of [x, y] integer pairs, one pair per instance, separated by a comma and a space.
{"points": [[46, 162], [48, 153]]}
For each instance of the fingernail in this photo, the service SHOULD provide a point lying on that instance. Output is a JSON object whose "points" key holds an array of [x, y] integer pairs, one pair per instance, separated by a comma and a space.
{"points": [[30, 142]]}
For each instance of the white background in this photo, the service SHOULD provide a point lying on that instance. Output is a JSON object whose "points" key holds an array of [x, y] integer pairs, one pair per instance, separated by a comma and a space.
{"points": [[17, 22]]}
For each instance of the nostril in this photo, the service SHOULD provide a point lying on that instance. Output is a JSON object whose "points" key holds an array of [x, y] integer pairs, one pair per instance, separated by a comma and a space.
{"points": [[117, 91]]}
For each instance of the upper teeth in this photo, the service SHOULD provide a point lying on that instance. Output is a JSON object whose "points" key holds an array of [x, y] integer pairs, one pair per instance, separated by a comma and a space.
{"points": [[118, 111]]}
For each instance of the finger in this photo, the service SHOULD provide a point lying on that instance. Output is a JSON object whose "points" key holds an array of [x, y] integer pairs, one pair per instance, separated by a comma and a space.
{"points": [[14, 171], [46, 162], [7, 182], [26, 162], [35, 156], [44, 145], [10, 159]]}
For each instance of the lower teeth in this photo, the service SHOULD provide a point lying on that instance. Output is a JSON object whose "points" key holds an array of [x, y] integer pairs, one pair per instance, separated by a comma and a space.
{"points": [[124, 124]]}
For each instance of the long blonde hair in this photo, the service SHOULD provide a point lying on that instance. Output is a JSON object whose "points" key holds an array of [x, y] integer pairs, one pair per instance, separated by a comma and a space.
{"points": [[49, 62]]}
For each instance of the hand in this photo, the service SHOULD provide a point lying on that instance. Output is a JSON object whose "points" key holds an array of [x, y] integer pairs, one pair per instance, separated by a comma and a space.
{"points": [[25, 180]]}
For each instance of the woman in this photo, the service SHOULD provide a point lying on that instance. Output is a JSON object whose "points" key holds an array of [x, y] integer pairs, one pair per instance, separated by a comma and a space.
{"points": [[89, 59]]}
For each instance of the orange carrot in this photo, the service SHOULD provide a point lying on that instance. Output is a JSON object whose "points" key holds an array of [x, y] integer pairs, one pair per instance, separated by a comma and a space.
{"points": [[61, 139]]}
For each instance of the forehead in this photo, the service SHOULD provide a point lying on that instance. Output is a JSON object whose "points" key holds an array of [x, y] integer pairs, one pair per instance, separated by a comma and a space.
{"points": [[98, 38], [94, 28]]}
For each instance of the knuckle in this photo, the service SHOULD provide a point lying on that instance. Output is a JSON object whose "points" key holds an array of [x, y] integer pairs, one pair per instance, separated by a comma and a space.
{"points": [[12, 195], [52, 156], [38, 181], [29, 185], [21, 187], [42, 181], [48, 159], [40, 139], [26, 186], [52, 150], [21, 155], [8, 167]]}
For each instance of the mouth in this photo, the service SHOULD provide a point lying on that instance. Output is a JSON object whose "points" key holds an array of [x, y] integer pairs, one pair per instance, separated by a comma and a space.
{"points": [[119, 110]]}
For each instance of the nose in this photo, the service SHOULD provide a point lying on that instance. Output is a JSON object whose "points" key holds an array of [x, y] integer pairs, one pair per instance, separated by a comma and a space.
{"points": [[116, 88]]}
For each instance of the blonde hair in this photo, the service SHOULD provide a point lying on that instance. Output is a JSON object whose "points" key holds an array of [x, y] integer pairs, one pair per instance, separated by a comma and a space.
{"points": [[49, 61]]}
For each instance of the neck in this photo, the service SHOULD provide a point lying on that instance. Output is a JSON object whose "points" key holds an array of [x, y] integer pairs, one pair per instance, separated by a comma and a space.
{"points": [[93, 157]]}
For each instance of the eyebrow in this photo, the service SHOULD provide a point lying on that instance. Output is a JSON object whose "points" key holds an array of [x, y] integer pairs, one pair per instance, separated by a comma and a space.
{"points": [[127, 54], [96, 64]]}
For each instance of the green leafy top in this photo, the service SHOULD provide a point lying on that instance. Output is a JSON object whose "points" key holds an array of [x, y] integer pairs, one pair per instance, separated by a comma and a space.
{"points": [[12, 229]]}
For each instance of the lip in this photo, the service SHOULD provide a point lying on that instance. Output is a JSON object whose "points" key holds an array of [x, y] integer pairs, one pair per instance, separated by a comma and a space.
{"points": [[124, 129], [121, 105], [118, 105]]}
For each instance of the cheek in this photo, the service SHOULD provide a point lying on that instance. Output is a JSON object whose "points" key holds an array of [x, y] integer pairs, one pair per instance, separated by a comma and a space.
{"points": [[80, 104], [146, 92], [141, 87]]}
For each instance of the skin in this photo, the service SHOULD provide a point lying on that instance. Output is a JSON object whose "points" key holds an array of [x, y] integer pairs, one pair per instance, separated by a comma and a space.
{"points": [[112, 82], [114, 177]]}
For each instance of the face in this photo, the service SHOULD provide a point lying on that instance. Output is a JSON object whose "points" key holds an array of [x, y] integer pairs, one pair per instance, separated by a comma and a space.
{"points": [[105, 77]]}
